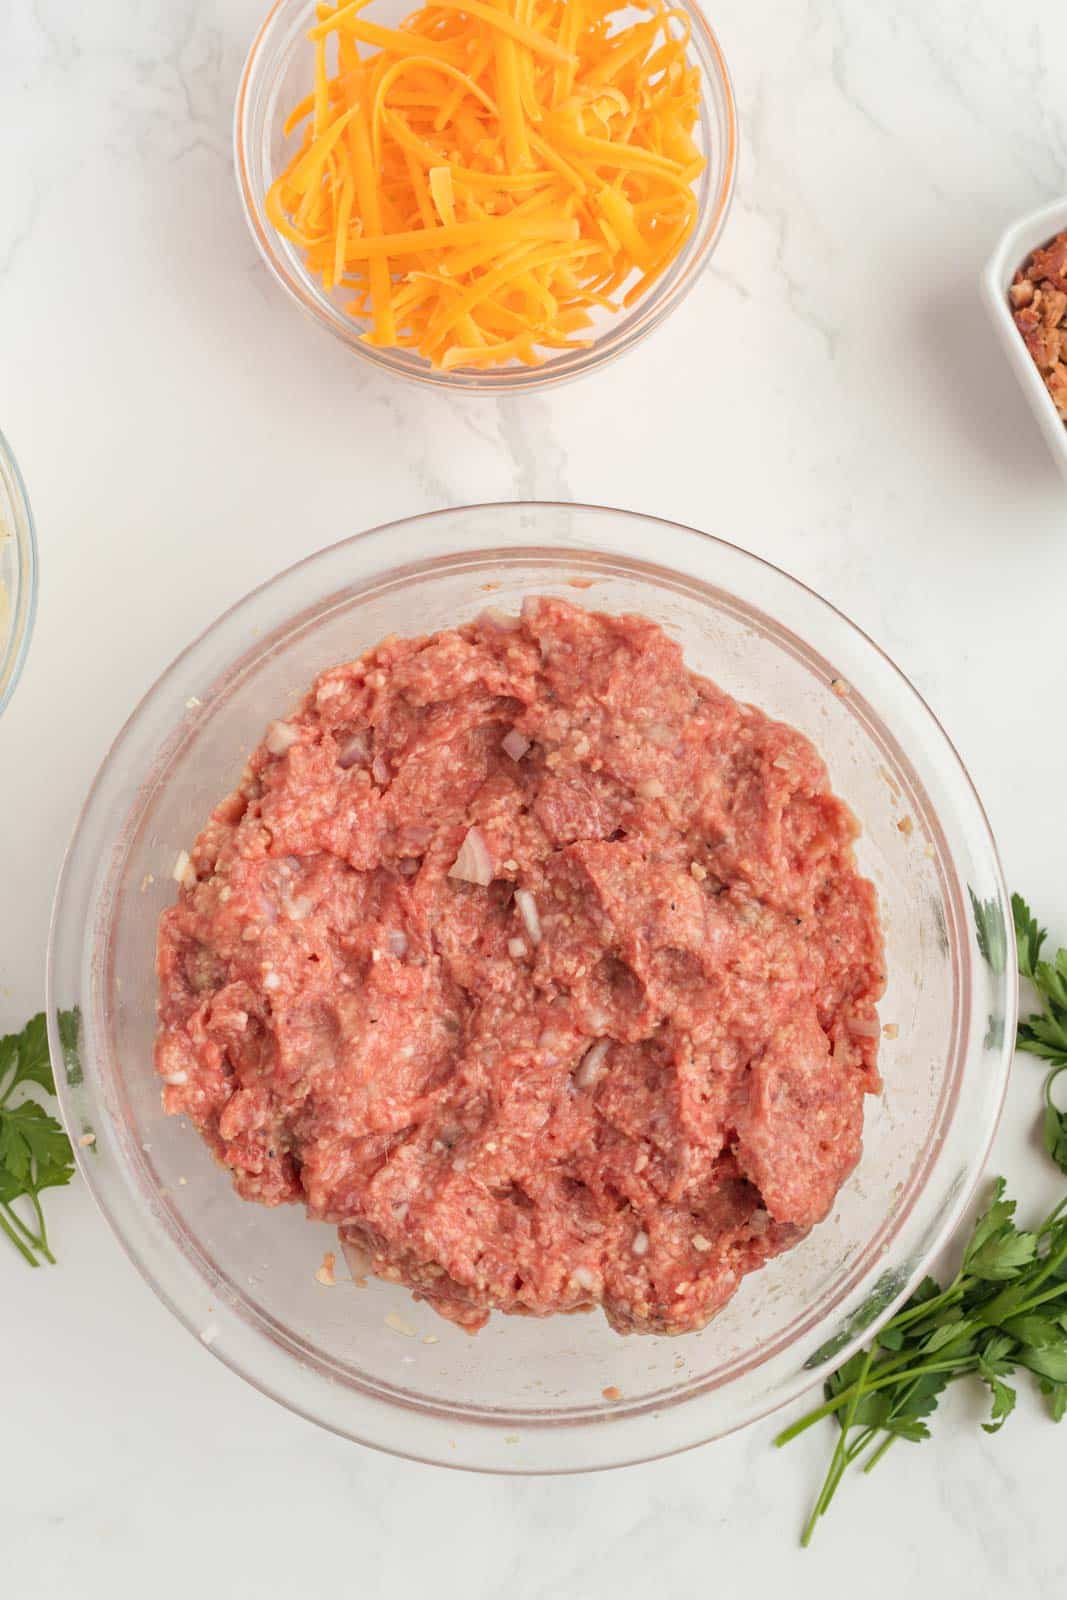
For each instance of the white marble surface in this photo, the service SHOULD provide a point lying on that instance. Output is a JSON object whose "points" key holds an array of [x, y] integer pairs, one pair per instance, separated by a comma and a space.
{"points": [[829, 396]]}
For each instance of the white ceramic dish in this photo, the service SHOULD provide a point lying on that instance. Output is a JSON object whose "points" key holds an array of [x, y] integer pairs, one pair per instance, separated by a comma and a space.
{"points": [[1016, 243]]}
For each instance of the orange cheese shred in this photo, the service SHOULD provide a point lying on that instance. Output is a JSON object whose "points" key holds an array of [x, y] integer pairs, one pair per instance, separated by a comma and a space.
{"points": [[490, 181]]}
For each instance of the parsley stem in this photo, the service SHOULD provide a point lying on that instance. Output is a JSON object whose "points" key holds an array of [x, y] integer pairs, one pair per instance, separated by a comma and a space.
{"points": [[826, 1410], [957, 1365], [42, 1239], [1056, 1255], [865, 1440], [840, 1458], [955, 1291], [1032, 1303], [5, 1226], [880, 1452], [17, 1221], [889, 1377], [1052, 1219]]}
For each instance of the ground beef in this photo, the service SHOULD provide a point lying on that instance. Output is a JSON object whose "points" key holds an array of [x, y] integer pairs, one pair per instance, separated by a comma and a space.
{"points": [[624, 1070]]}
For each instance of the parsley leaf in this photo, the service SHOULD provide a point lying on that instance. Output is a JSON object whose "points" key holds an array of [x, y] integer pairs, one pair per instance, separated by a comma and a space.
{"points": [[1003, 1256], [31, 1140], [1057, 1399], [1003, 1404], [1044, 1033], [1028, 935], [992, 1221], [27, 1052], [1033, 1329], [35, 1153], [1050, 1363]]}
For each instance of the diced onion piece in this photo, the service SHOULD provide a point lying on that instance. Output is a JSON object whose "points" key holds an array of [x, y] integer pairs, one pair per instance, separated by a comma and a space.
{"points": [[357, 1260], [660, 735], [528, 912], [408, 867], [474, 864], [515, 744], [175, 1079], [397, 942], [516, 948], [380, 771], [182, 871], [500, 621], [355, 750], [591, 1068], [281, 736], [651, 789], [640, 1243], [297, 907]]}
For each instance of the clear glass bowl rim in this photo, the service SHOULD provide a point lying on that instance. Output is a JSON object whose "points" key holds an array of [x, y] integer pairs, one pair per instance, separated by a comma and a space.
{"points": [[68, 935], [24, 601], [649, 313]]}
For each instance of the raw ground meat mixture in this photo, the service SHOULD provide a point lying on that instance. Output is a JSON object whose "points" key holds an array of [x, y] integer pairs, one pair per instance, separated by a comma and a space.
{"points": [[537, 964]]}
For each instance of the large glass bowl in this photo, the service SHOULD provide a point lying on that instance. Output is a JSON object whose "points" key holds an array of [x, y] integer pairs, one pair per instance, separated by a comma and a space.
{"points": [[279, 73], [18, 573], [527, 1395]]}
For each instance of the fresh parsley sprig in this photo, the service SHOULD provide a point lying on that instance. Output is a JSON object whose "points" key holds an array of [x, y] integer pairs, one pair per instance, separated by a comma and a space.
{"points": [[1044, 1034], [1006, 1307], [35, 1153]]}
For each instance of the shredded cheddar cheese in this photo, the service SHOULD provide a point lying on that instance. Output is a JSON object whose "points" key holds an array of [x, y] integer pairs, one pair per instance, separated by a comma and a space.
{"points": [[477, 181]]}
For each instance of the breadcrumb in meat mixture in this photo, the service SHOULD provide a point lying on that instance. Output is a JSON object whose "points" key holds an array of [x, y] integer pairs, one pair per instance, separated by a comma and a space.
{"points": [[584, 1016]]}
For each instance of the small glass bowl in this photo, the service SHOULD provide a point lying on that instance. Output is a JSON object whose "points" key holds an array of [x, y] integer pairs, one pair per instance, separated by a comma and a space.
{"points": [[564, 1393], [18, 573], [278, 73]]}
